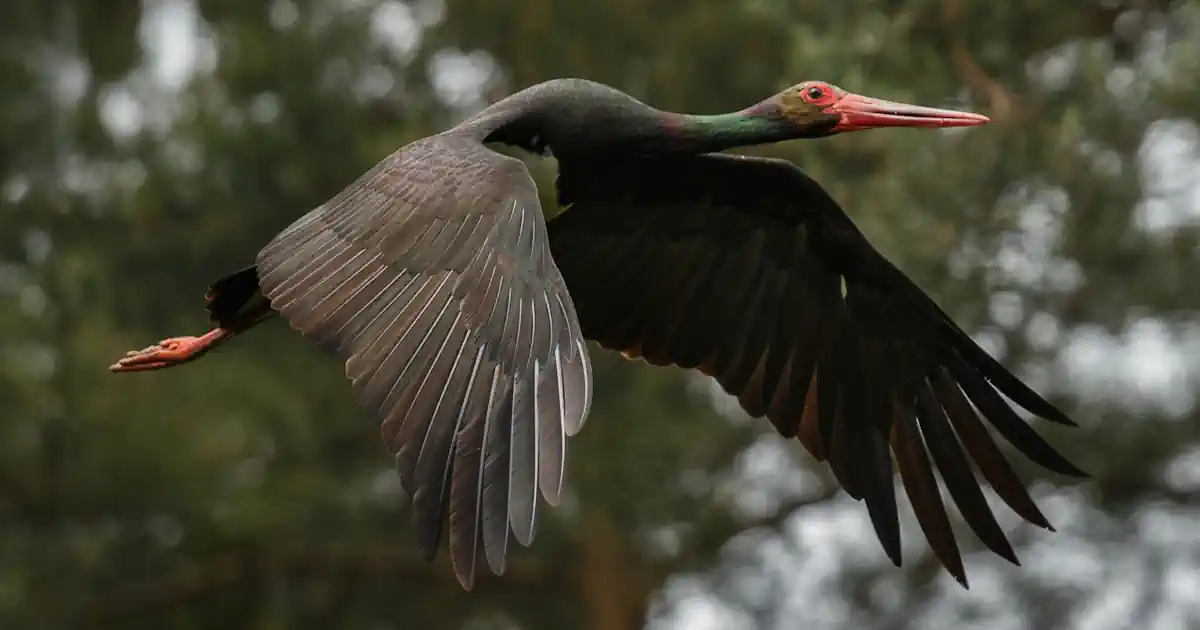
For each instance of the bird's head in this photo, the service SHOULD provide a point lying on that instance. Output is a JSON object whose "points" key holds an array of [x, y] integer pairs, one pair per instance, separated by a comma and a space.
{"points": [[817, 108]]}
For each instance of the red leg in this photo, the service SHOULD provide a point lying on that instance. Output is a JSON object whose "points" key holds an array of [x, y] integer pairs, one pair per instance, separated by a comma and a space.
{"points": [[170, 352]]}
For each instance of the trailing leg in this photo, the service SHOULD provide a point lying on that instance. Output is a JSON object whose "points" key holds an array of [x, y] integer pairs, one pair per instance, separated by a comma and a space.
{"points": [[235, 304]]}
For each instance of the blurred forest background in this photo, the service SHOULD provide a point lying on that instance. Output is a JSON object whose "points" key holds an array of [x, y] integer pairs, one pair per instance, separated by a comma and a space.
{"points": [[148, 147]]}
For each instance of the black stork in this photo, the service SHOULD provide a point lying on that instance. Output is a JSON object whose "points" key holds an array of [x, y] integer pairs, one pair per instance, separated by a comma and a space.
{"points": [[463, 315]]}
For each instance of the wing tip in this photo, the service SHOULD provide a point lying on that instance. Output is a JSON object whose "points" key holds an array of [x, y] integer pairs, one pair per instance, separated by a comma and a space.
{"points": [[1075, 471], [961, 577], [1058, 417], [525, 532], [1058, 463], [429, 552], [553, 493], [893, 553], [466, 581], [497, 558]]}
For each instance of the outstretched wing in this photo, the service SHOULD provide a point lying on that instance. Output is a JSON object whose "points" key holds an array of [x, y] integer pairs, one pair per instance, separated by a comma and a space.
{"points": [[747, 270], [431, 276]]}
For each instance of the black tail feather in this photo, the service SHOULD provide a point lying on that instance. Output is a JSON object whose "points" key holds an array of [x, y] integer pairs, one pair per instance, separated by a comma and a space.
{"points": [[232, 298]]}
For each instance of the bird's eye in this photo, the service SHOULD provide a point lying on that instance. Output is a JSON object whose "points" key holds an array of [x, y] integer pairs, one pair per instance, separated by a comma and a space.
{"points": [[816, 93]]}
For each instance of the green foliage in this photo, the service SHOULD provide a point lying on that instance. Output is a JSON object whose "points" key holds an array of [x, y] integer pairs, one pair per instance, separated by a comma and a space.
{"points": [[249, 491]]}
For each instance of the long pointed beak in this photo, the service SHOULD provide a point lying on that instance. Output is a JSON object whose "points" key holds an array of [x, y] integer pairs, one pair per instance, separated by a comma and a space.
{"points": [[862, 112]]}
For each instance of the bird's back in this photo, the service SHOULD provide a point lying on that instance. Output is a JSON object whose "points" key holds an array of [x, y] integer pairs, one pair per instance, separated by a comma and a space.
{"points": [[563, 116]]}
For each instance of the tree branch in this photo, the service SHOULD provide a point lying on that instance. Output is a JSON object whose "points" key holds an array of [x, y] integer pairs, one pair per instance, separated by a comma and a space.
{"points": [[709, 536]]}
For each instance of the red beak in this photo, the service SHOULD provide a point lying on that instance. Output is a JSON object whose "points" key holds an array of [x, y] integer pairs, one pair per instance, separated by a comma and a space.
{"points": [[861, 112]]}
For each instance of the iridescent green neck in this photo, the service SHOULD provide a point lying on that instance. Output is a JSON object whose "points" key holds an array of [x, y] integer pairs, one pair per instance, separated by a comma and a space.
{"points": [[716, 132], [554, 117]]}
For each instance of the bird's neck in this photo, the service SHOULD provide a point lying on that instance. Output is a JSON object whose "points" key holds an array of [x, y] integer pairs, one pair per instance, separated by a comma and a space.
{"points": [[554, 116], [699, 133]]}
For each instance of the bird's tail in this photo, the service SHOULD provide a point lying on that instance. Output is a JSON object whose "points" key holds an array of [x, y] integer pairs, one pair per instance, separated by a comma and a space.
{"points": [[235, 302]]}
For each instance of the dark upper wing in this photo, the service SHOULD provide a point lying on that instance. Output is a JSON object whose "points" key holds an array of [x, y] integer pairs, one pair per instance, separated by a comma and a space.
{"points": [[432, 277], [735, 266]]}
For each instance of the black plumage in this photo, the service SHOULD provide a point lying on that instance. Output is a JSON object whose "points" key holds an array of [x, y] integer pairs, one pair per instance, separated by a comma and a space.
{"points": [[462, 315]]}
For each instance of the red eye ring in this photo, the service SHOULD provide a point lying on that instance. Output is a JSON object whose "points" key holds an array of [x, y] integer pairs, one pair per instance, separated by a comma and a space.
{"points": [[818, 93]]}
